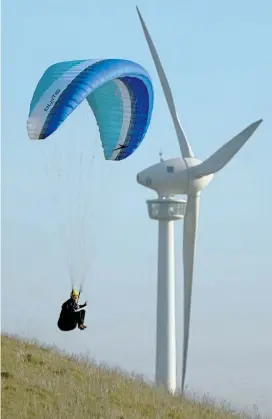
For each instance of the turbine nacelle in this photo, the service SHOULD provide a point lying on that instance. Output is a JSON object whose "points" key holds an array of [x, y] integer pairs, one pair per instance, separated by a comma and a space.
{"points": [[174, 177]]}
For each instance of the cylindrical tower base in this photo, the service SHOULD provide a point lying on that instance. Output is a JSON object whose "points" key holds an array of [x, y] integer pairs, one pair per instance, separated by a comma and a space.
{"points": [[166, 328]]}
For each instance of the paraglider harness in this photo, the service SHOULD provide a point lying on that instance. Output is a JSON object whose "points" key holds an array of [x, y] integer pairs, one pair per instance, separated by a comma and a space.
{"points": [[72, 314]]}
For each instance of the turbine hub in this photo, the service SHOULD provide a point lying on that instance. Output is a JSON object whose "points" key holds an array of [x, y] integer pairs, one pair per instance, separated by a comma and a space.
{"points": [[196, 184]]}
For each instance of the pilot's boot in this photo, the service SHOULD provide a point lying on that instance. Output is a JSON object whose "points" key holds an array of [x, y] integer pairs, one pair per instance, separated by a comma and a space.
{"points": [[82, 326]]}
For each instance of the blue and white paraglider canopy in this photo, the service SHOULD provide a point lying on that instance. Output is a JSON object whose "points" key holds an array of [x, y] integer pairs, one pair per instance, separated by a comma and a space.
{"points": [[119, 92]]}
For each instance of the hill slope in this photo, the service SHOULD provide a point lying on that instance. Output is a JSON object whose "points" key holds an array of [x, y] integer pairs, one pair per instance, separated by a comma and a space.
{"points": [[42, 383]]}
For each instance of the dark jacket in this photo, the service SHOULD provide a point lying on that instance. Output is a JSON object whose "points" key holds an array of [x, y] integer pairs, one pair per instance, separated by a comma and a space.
{"points": [[70, 306], [68, 319]]}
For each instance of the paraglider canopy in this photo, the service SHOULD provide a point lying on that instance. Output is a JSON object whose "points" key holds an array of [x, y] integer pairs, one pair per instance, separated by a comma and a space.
{"points": [[119, 92]]}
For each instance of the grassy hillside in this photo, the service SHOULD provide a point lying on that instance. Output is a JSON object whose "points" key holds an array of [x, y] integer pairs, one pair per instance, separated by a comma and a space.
{"points": [[42, 383]]}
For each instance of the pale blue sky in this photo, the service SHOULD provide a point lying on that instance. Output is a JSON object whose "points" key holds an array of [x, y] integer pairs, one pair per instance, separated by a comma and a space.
{"points": [[217, 56]]}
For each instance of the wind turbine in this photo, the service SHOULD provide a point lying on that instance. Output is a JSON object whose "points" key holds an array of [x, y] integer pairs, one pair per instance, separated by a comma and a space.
{"points": [[186, 176]]}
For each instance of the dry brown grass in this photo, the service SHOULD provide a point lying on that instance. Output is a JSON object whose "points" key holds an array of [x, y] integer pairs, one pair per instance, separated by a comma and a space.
{"points": [[45, 384]]}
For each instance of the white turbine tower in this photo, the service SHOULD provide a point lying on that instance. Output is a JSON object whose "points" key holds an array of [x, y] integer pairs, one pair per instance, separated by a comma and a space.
{"points": [[188, 176]]}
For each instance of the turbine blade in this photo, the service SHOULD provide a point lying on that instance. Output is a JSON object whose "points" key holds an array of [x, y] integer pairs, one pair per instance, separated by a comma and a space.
{"points": [[183, 143], [189, 239], [222, 156]]}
